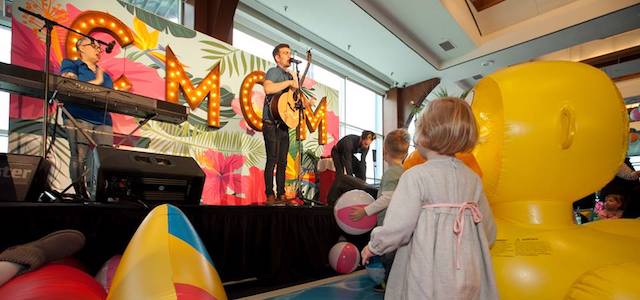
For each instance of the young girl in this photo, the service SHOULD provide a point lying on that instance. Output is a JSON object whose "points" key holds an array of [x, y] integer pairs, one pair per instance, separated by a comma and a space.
{"points": [[612, 207], [439, 218]]}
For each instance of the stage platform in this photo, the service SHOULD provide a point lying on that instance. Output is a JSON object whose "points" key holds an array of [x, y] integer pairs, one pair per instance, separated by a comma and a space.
{"points": [[254, 248]]}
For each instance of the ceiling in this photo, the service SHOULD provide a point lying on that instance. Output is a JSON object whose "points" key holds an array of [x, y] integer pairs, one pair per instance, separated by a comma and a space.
{"points": [[401, 42]]}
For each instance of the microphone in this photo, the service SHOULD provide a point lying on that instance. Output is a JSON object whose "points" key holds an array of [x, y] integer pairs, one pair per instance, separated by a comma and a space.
{"points": [[293, 60], [109, 47], [375, 158]]}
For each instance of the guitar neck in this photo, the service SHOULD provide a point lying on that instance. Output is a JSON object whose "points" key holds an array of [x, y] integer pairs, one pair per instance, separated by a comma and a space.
{"points": [[304, 74]]}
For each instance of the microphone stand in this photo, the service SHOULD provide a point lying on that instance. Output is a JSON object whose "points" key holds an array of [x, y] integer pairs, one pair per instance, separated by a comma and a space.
{"points": [[48, 26], [301, 118]]}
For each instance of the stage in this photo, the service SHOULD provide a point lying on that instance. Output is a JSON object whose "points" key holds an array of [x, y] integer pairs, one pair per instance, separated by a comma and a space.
{"points": [[254, 248]]}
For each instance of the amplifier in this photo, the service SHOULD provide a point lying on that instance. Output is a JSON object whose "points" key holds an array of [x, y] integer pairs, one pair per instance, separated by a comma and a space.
{"points": [[125, 175], [22, 177]]}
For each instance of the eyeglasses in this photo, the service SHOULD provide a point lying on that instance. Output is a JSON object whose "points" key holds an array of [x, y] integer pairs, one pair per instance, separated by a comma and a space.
{"points": [[95, 46]]}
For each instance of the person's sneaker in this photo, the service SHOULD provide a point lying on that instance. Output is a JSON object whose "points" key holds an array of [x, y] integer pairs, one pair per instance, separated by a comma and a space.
{"points": [[54, 246], [380, 287]]}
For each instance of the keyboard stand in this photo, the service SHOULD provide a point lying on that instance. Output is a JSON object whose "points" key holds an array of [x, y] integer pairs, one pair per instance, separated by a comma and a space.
{"points": [[74, 121], [140, 124]]}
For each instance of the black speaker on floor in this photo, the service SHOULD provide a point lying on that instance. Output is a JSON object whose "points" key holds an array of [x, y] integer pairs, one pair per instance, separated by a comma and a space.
{"points": [[125, 175], [22, 177]]}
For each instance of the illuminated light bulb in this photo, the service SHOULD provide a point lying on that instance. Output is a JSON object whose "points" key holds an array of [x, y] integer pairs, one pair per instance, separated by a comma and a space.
{"points": [[120, 31], [172, 84], [73, 49], [213, 94], [172, 64], [188, 90], [255, 77], [101, 21], [213, 85], [83, 25], [208, 81], [246, 85], [92, 21], [193, 99], [113, 25], [75, 40], [126, 39], [198, 93], [244, 92], [183, 81], [213, 77], [246, 107]]}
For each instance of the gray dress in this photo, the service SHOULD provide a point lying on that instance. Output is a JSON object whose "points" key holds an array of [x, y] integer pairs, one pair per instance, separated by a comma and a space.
{"points": [[430, 262]]}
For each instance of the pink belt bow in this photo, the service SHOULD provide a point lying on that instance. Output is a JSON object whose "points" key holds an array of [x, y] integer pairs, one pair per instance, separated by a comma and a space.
{"points": [[458, 225]]}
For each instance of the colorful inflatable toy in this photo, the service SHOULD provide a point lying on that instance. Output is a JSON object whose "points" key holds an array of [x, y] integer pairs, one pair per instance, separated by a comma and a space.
{"points": [[165, 259]]}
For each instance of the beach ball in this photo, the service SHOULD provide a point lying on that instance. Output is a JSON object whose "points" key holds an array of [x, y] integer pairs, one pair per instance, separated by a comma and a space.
{"points": [[344, 257], [53, 282], [105, 275], [375, 269], [345, 204]]}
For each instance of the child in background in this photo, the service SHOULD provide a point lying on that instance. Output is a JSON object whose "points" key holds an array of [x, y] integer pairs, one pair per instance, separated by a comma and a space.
{"points": [[612, 207], [439, 218], [396, 146]]}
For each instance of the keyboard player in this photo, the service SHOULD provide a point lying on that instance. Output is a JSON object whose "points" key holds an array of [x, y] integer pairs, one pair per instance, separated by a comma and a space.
{"points": [[96, 123]]}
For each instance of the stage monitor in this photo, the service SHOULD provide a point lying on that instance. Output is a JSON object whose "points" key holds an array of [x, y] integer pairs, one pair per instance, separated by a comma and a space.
{"points": [[123, 175]]}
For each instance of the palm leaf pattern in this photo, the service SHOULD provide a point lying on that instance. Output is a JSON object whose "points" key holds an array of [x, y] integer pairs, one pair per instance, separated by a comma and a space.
{"points": [[191, 140], [232, 61]]}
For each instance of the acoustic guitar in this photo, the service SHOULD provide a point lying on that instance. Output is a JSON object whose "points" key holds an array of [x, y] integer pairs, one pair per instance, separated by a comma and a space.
{"points": [[283, 105]]}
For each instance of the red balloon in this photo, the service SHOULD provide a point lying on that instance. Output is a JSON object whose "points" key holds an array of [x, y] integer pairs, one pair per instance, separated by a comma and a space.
{"points": [[53, 282]]}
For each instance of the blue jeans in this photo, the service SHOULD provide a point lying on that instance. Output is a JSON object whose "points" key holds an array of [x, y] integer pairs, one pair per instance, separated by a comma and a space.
{"points": [[79, 149], [276, 141]]}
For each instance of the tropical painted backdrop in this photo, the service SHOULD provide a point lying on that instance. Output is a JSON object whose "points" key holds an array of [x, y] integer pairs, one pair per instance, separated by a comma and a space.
{"points": [[231, 154]]}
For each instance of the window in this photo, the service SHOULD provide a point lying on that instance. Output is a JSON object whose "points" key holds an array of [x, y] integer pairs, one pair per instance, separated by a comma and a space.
{"points": [[252, 45], [5, 57], [171, 10]]}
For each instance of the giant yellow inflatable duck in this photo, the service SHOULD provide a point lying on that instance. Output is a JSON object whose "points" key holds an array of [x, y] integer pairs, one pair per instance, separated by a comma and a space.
{"points": [[551, 133]]}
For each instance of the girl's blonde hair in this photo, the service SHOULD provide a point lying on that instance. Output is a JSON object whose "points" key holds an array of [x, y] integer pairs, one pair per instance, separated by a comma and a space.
{"points": [[447, 127], [396, 143]]}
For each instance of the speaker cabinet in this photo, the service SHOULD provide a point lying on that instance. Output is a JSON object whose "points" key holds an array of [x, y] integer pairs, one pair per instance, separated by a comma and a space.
{"points": [[22, 177], [125, 175]]}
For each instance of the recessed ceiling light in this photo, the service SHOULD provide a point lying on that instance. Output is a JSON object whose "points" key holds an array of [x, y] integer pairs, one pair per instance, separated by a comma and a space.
{"points": [[488, 63]]}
